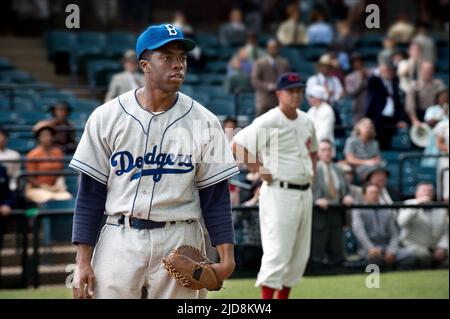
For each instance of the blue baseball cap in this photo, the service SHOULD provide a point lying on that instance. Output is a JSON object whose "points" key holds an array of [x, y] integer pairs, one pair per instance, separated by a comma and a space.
{"points": [[158, 35], [290, 80]]}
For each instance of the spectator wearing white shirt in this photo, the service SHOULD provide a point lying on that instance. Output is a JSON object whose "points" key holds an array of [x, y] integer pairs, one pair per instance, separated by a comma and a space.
{"points": [[424, 232], [6, 153], [321, 113], [325, 79]]}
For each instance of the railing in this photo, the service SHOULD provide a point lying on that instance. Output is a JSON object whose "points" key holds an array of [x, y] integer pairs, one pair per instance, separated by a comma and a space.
{"points": [[52, 213]]}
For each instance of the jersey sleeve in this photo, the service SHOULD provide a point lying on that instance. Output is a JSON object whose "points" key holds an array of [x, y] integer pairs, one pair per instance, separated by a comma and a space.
{"points": [[217, 162], [93, 152], [254, 137]]}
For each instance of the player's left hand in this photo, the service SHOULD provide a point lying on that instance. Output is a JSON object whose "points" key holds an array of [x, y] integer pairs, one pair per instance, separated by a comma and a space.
{"points": [[223, 270]]}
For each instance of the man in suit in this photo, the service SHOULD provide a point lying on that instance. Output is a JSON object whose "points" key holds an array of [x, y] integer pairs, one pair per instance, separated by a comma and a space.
{"points": [[127, 80], [329, 187], [265, 73], [383, 105], [375, 230]]}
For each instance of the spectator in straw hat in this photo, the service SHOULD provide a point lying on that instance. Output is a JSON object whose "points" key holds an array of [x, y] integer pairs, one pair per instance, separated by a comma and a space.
{"points": [[41, 189], [127, 80], [325, 79]]}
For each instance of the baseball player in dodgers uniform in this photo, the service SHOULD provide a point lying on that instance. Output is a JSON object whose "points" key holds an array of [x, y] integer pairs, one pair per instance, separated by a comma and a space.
{"points": [[155, 161], [281, 144]]}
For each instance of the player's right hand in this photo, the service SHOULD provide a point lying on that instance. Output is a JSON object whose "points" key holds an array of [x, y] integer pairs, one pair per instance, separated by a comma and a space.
{"points": [[84, 282], [265, 175]]}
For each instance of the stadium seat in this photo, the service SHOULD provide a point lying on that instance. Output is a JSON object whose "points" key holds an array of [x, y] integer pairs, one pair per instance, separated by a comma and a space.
{"points": [[192, 78], [226, 53], [22, 146], [216, 67], [58, 95], [30, 118], [371, 40], [205, 39], [222, 106], [313, 53], [7, 118], [390, 156], [86, 105], [91, 38], [98, 70], [81, 54], [15, 76], [23, 105], [61, 41], [213, 78], [401, 141], [121, 39], [369, 53]]}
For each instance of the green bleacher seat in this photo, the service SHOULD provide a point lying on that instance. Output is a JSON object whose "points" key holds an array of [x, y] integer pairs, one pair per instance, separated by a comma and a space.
{"points": [[210, 53], [91, 38], [31, 118], [216, 67], [22, 146], [201, 97], [59, 96], [371, 40], [205, 39], [61, 41], [86, 105], [82, 53], [15, 76], [313, 53], [192, 78], [121, 38], [369, 53], [98, 70], [115, 51], [390, 156], [401, 141], [23, 105], [222, 106], [7, 118], [213, 79]]}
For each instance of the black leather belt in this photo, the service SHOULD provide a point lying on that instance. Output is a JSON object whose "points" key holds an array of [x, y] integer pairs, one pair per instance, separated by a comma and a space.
{"points": [[138, 223], [288, 185]]}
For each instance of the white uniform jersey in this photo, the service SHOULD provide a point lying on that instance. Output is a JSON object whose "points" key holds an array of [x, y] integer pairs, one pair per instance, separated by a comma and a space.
{"points": [[283, 145], [154, 163]]}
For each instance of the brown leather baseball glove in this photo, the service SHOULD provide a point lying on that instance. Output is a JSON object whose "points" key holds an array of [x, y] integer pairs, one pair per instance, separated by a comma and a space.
{"points": [[191, 268]]}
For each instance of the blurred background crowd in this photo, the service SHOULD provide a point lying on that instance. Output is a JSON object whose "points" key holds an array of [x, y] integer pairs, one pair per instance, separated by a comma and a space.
{"points": [[378, 99]]}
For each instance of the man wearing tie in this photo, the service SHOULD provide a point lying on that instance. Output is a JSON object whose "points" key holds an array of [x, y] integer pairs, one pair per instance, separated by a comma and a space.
{"points": [[329, 187], [265, 73], [127, 80]]}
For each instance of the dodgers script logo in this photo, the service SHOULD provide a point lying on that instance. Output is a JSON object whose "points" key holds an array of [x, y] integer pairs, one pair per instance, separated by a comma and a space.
{"points": [[165, 163]]}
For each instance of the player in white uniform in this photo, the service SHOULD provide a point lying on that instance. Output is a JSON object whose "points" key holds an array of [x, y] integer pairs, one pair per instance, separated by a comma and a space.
{"points": [[154, 150], [281, 144]]}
